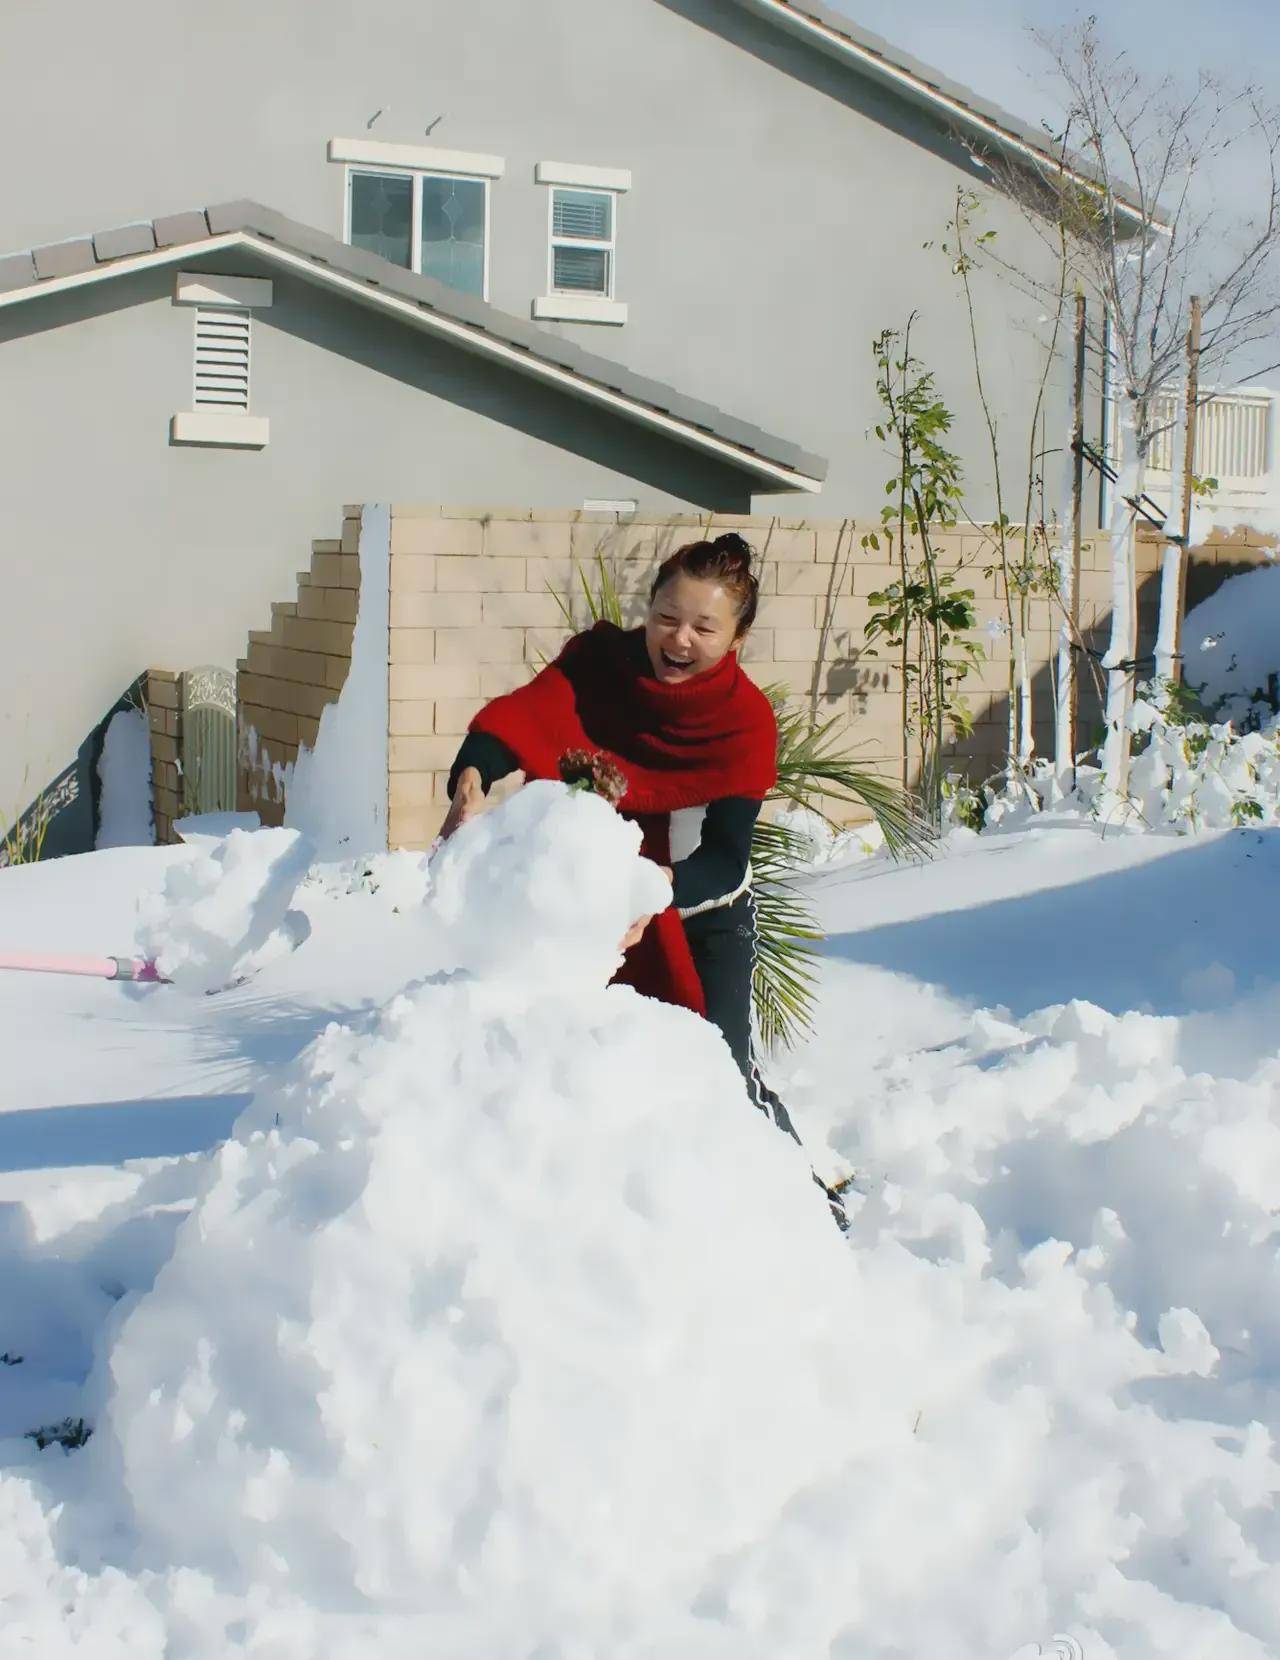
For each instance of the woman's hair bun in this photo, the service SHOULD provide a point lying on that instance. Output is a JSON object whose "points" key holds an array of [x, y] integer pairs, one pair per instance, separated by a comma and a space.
{"points": [[732, 545]]}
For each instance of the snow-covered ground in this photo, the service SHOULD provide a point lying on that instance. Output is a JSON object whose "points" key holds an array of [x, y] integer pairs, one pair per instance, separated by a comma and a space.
{"points": [[425, 1297]]}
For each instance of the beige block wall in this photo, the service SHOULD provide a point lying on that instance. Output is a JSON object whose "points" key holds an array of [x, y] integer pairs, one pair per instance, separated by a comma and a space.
{"points": [[474, 612], [164, 715], [294, 669]]}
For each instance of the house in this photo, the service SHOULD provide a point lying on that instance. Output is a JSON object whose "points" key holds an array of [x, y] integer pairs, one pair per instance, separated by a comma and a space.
{"points": [[627, 254]]}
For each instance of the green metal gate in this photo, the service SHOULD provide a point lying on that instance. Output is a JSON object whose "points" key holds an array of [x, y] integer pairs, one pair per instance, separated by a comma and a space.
{"points": [[208, 740]]}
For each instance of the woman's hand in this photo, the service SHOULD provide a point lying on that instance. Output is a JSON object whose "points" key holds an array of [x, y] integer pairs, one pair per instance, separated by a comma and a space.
{"points": [[634, 933], [468, 800]]}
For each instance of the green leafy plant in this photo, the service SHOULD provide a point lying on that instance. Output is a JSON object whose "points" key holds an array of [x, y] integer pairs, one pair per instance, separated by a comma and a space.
{"points": [[923, 615]]}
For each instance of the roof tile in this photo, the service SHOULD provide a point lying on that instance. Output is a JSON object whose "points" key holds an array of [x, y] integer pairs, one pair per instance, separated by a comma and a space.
{"points": [[64, 259], [16, 271], [125, 240], [175, 228]]}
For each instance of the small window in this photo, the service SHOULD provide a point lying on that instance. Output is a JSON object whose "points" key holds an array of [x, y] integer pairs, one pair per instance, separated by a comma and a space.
{"points": [[582, 242], [434, 224]]}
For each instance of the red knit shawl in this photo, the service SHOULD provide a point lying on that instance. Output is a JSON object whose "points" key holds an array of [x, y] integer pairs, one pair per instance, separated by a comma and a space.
{"points": [[677, 746]]}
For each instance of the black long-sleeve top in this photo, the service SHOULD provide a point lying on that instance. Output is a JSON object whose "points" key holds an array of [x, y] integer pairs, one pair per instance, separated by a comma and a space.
{"points": [[715, 870]]}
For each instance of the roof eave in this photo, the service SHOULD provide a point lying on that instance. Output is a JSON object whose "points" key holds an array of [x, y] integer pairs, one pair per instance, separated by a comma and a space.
{"points": [[774, 475], [989, 125]]}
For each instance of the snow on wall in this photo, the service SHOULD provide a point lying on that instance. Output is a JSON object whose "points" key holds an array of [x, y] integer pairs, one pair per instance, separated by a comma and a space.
{"points": [[1231, 641], [124, 769], [337, 792]]}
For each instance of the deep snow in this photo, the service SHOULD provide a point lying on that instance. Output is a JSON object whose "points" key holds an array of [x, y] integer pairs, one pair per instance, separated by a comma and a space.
{"points": [[521, 1333]]}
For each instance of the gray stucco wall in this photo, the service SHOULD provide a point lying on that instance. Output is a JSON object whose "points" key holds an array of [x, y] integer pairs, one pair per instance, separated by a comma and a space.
{"points": [[776, 221], [125, 551]]}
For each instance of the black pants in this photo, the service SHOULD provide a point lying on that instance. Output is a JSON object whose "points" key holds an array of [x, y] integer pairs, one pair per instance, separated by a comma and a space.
{"points": [[723, 943]]}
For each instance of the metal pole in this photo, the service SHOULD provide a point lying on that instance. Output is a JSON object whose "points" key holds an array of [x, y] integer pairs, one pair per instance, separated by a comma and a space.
{"points": [[1077, 521], [1188, 477]]}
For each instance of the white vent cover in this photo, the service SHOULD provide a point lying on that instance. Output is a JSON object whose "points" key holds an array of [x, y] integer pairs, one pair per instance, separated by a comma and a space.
{"points": [[222, 358]]}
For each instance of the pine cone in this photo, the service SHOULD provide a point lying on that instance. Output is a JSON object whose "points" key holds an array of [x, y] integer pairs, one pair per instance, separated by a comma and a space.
{"points": [[582, 770]]}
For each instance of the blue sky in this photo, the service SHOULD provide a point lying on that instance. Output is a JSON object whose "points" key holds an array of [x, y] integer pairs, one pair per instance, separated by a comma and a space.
{"points": [[985, 42]]}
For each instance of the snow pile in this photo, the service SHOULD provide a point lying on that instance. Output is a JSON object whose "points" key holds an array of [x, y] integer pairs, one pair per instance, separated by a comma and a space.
{"points": [[474, 1338], [1231, 643], [224, 910], [1089, 1218], [818, 842], [124, 771], [504, 1326], [400, 879]]}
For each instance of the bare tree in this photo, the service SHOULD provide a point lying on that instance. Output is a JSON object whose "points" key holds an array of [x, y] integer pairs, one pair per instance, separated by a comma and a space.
{"points": [[1134, 187]]}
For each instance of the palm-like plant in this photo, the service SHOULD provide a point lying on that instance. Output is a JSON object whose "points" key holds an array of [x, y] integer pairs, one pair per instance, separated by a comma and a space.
{"points": [[814, 770]]}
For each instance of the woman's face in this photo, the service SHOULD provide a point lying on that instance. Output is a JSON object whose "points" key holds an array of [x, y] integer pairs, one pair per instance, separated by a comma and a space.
{"points": [[692, 623]]}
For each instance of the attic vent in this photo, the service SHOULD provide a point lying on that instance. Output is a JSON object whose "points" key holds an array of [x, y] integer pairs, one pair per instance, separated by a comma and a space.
{"points": [[222, 358]]}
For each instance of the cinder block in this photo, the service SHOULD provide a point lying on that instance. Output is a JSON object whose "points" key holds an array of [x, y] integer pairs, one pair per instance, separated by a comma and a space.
{"points": [[412, 718], [327, 545], [336, 670], [413, 645], [164, 748], [271, 723], [496, 679], [453, 715], [162, 688], [526, 610], [810, 579], [421, 753], [795, 645], [506, 539], [326, 569], [311, 634], [480, 576], [341, 604], [547, 576], [430, 681], [454, 610], [311, 601], [412, 573], [544, 645], [348, 571], [789, 545], [410, 789], [308, 731], [414, 828], [351, 536], [458, 538], [794, 611], [758, 646], [479, 645]]}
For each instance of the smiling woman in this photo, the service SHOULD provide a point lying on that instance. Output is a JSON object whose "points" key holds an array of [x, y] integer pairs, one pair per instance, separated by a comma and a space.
{"points": [[696, 741]]}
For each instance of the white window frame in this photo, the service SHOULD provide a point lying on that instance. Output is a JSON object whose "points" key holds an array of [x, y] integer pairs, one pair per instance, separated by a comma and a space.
{"points": [[572, 305], [417, 174], [609, 247]]}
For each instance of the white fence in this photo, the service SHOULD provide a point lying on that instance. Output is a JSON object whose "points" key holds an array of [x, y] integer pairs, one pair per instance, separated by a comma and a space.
{"points": [[1235, 444]]}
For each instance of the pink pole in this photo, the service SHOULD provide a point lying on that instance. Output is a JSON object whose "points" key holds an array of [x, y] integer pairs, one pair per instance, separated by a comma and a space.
{"points": [[100, 968]]}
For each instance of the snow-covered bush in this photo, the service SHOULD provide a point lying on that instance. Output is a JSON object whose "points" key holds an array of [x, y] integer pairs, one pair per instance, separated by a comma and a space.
{"points": [[1201, 774]]}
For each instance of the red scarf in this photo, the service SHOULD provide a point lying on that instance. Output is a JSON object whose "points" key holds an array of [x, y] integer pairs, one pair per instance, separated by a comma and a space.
{"points": [[677, 746]]}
